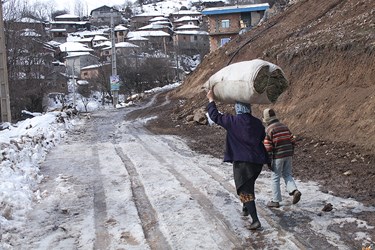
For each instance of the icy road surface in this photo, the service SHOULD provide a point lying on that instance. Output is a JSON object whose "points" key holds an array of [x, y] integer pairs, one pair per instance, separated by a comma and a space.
{"points": [[114, 185]]}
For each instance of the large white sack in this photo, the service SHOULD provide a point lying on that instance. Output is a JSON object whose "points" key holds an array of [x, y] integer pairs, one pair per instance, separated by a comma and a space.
{"points": [[255, 81]]}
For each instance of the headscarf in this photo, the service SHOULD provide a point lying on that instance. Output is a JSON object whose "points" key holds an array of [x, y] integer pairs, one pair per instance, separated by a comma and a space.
{"points": [[269, 115], [242, 108]]}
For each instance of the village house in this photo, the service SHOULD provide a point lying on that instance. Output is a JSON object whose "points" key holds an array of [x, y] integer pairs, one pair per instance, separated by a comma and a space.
{"points": [[98, 40], [182, 13], [186, 20], [190, 40], [120, 33], [156, 39], [64, 24], [29, 27], [87, 41], [90, 72], [162, 21], [224, 23], [122, 49], [156, 26], [102, 16], [76, 56], [138, 40], [142, 20], [78, 60], [92, 33]]}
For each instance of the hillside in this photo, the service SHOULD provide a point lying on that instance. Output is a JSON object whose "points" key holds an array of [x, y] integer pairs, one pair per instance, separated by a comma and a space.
{"points": [[327, 51]]}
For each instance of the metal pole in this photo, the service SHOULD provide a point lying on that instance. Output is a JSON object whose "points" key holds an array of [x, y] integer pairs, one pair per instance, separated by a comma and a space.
{"points": [[74, 84], [4, 85], [113, 59]]}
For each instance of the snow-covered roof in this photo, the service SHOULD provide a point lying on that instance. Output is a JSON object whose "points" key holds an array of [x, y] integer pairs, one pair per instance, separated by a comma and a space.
{"points": [[187, 27], [235, 9], [74, 47], [69, 22], [186, 18], [29, 20], [54, 43], [122, 45], [153, 26], [66, 16], [77, 54], [100, 38], [91, 32], [138, 38], [103, 44], [57, 30], [147, 33], [126, 45], [166, 23], [120, 28], [192, 32], [94, 66], [158, 18], [30, 32], [78, 39]]}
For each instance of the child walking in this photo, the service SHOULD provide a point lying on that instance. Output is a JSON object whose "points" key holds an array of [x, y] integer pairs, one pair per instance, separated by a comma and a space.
{"points": [[279, 143]]}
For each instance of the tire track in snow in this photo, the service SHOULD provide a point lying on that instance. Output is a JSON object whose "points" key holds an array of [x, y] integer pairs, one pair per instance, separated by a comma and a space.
{"points": [[260, 235], [146, 213], [305, 238], [223, 226], [100, 207]]}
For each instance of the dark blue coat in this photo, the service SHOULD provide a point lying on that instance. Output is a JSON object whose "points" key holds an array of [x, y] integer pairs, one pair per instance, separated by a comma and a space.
{"points": [[245, 135]]}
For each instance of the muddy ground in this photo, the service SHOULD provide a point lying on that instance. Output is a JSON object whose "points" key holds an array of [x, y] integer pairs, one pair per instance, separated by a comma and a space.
{"points": [[326, 49], [342, 169]]}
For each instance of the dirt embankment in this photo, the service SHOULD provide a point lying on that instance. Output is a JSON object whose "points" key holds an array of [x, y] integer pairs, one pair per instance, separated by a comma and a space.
{"points": [[327, 50]]}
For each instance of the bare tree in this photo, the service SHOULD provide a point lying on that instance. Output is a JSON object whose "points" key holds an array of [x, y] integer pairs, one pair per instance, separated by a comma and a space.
{"points": [[148, 73], [101, 82], [85, 91], [29, 60], [42, 10], [128, 8], [80, 8], [13, 10]]}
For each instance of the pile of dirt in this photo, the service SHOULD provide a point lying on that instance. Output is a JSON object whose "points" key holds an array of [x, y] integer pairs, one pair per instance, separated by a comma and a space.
{"points": [[327, 51]]}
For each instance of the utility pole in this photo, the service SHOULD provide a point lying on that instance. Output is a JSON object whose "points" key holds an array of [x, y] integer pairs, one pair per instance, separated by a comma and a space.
{"points": [[74, 84], [4, 85], [115, 81]]}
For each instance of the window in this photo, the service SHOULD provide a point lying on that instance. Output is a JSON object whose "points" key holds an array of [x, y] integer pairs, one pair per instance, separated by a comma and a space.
{"points": [[225, 23], [224, 41], [195, 38]]}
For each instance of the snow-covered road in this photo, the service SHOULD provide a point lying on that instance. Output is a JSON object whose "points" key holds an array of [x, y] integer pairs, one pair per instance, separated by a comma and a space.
{"points": [[114, 185]]}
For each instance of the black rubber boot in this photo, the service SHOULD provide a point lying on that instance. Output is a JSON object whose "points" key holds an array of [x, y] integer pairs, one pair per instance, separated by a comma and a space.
{"points": [[253, 213], [245, 212]]}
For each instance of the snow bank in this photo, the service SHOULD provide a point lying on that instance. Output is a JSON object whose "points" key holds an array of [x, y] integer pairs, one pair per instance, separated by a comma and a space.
{"points": [[23, 147]]}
